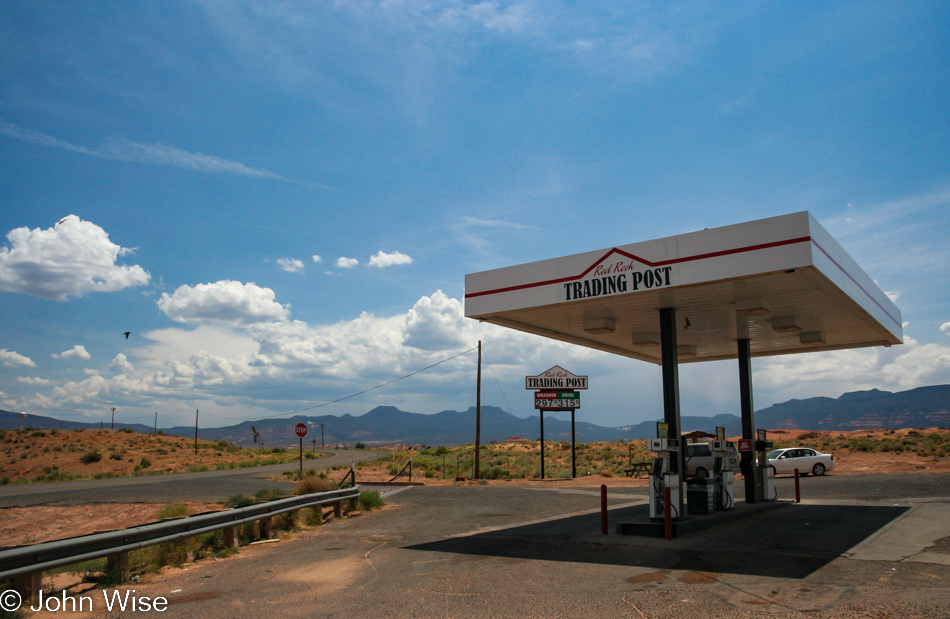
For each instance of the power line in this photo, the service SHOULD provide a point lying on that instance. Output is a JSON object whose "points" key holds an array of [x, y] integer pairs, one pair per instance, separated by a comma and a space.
{"points": [[510, 412], [310, 408]]}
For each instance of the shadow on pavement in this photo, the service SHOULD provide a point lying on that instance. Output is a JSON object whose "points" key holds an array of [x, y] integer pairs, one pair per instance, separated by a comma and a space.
{"points": [[791, 542]]}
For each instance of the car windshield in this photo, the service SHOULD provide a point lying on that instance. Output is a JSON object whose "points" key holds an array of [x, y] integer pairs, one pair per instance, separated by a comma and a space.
{"points": [[775, 454]]}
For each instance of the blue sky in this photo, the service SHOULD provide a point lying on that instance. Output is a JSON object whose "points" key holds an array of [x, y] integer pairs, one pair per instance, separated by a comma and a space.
{"points": [[280, 200]]}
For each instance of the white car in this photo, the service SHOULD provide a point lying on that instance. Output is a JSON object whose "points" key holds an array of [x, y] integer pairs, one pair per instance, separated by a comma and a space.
{"points": [[805, 459]]}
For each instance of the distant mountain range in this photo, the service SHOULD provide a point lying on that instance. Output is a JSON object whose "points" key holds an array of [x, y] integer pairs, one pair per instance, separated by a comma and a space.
{"points": [[923, 407]]}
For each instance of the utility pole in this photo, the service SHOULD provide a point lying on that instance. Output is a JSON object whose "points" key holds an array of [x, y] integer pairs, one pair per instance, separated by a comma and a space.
{"points": [[196, 431], [113, 418], [323, 444], [155, 431], [478, 414]]}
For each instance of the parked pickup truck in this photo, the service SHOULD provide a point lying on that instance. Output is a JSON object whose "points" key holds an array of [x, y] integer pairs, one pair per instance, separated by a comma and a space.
{"points": [[699, 459]]}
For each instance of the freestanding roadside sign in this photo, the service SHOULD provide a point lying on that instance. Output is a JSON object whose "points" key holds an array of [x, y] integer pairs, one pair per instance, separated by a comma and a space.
{"points": [[557, 392], [301, 430]]}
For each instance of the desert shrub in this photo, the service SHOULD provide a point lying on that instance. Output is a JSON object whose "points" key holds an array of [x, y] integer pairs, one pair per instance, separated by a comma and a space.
{"points": [[309, 485], [360, 446], [37, 433], [370, 500], [126, 430], [861, 444], [115, 456], [145, 463], [238, 500], [606, 473], [173, 510], [268, 494], [495, 472], [90, 457]]}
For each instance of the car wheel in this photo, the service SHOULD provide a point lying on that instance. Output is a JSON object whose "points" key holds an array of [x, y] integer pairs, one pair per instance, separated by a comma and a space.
{"points": [[701, 473], [818, 469]]}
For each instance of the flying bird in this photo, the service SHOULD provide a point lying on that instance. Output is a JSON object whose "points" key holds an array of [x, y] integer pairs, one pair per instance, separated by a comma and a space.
{"points": [[62, 220], [688, 323], [127, 334], [256, 433]]}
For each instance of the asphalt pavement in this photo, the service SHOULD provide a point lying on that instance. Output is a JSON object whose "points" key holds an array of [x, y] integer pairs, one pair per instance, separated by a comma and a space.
{"points": [[875, 546]]}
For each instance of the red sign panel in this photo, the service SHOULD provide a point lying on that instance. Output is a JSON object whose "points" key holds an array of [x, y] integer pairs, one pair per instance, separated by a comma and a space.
{"points": [[745, 444], [301, 429]]}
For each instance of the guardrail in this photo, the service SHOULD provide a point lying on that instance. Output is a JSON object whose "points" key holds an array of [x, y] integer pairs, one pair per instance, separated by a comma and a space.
{"points": [[27, 564]]}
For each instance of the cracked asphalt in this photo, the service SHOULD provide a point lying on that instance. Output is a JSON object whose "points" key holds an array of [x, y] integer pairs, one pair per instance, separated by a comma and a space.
{"points": [[505, 551]]}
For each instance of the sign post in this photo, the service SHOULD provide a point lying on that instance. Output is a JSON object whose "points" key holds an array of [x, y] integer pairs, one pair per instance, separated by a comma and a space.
{"points": [[556, 390], [301, 431]]}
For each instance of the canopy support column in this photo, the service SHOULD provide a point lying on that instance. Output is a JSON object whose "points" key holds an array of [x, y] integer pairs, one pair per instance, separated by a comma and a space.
{"points": [[750, 472], [671, 390]]}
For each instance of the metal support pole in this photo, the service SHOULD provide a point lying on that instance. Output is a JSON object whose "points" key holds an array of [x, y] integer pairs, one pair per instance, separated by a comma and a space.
{"points": [[196, 431], [798, 491], [476, 472], [542, 444], [301, 457], [747, 461], [573, 448], [603, 509], [671, 391], [113, 419]]}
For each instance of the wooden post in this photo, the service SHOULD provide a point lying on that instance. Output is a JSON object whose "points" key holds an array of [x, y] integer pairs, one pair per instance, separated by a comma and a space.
{"points": [[119, 561], [29, 586], [476, 474], [267, 527], [338, 509], [231, 536]]}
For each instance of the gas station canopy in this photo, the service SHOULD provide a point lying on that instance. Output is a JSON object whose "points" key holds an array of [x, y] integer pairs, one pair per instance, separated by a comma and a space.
{"points": [[782, 283]]}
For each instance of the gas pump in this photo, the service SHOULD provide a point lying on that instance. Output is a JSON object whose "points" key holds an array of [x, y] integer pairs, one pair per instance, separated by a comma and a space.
{"points": [[662, 478], [767, 471], [724, 486]]}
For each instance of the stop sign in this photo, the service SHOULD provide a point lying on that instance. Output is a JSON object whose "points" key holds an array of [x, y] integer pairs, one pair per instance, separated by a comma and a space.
{"points": [[301, 429]]}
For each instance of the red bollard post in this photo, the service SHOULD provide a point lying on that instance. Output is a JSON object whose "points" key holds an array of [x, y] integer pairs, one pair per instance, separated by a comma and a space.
{"points": [[667, 513], [603, 509], [798, 493]]}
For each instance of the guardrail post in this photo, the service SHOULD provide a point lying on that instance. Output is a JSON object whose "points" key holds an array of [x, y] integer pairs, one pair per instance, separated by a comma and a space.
{"points": [[267, 527], [798, 491], [29, 586], [338, 509], [120, 562], [231, 536]]}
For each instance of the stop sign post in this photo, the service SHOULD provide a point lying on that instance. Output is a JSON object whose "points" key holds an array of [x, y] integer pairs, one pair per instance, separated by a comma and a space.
{"points": [[301, 430]]}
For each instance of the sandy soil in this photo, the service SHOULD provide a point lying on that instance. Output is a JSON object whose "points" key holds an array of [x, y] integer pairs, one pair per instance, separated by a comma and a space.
{"points": [[38, 452], [39, 524]]}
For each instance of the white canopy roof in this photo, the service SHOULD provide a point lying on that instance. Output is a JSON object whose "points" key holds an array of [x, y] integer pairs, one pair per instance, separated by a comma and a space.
{"points": [[782, 282]]}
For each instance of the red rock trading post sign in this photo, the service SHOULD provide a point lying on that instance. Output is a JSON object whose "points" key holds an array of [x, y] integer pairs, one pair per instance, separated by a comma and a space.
{"points": [[556, 378]]}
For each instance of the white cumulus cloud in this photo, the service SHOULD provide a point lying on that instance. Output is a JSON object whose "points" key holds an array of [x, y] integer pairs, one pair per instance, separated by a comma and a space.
{"points": [[291, 265], [71, 259], [945, 328], [12, 359], [346, 263], [27, 380], [76, 352], [224, 302], [316, 258], [382, 259], [121, 365]]}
